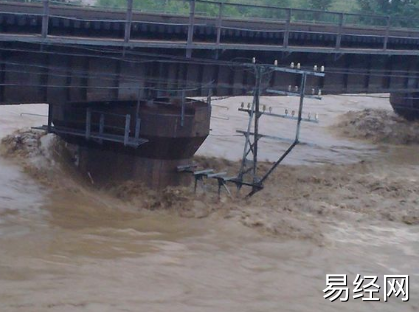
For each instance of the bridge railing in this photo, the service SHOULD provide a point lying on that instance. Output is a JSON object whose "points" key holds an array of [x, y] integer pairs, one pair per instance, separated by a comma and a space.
{"points": [[210, 8], [219, 14], [344, 22]]}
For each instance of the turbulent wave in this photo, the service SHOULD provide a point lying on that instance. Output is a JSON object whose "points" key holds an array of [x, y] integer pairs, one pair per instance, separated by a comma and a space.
{"points": [[378, 126], [297, 202]]}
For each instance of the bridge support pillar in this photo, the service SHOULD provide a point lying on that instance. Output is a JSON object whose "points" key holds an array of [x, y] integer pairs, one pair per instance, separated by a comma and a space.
{"points": [[143, 141], [106, 167], [406, 104]]}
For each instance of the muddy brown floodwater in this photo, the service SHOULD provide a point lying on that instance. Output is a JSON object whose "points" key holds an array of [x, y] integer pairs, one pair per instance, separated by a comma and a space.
{"points": [[346, 203]]}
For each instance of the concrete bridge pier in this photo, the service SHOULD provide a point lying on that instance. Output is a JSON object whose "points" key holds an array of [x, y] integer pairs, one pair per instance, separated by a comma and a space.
{"points": [[107, 167], [143, 141], [406, 104]]}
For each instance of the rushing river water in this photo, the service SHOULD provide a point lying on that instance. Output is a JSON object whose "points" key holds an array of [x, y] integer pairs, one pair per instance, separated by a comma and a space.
{"points": [[80, 251]]}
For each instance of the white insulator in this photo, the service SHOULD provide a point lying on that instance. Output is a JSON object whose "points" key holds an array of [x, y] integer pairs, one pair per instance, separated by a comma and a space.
{"points": [[313, 91], [320, 92], [296, 88], [289, 88], [315, 68], [292, 65], [322, 69], [254, 60], [276, 63], [298, 65], [316, 116]]}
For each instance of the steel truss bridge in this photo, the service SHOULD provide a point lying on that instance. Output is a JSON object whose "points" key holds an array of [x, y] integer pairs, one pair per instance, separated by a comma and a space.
{"points": [[61, 53]]}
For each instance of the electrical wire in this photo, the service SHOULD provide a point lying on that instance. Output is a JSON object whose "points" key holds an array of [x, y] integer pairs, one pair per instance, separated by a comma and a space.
{"points": [[53, 71], [193, 61], [157, 58]]}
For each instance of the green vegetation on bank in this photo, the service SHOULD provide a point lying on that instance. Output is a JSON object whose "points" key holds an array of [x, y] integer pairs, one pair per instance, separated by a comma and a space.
{"points": [[400, 8]]}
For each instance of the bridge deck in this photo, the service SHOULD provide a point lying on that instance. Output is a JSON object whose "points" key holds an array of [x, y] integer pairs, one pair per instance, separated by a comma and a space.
{"points": [[77, 54], [198, 45]]}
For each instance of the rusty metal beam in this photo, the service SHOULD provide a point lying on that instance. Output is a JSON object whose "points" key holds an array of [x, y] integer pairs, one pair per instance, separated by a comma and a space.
{"points": [[128, 21], [45, 18], [191, 28]]}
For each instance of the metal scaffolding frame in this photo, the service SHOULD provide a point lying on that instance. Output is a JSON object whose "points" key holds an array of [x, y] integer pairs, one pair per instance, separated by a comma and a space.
{"points": [[97, 131]]}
